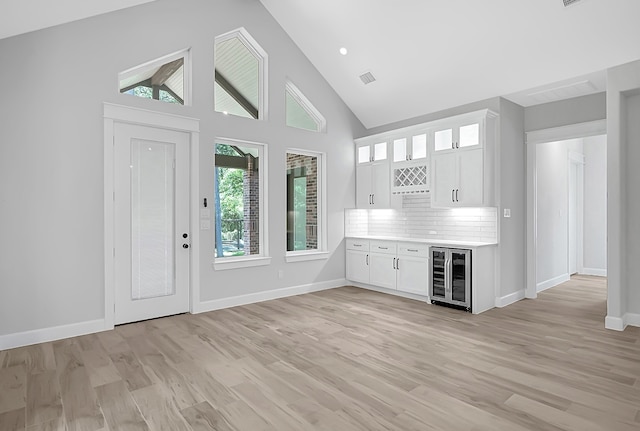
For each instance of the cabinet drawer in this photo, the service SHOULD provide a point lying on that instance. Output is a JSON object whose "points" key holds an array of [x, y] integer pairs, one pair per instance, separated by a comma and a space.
{"points": [[385, 247], [357, 244], [413, 249]]}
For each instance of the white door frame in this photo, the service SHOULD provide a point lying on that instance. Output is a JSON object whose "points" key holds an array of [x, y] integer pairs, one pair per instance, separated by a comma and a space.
{"points": [[125, 114], [533, 138]]}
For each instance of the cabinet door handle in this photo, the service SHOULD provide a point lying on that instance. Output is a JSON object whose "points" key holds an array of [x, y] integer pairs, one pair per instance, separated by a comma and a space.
{"points": [[367, 260], [414, 250], [373, 202], [383, 248], [394, 263], [398, 264], [357, 245], [452, 192], [457, 144], [457, 195], [453, 145]]}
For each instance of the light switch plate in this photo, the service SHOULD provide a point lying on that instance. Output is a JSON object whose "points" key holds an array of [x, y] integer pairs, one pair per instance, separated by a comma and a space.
{"points": [[507, 212], [205, 213], [205, 224]]}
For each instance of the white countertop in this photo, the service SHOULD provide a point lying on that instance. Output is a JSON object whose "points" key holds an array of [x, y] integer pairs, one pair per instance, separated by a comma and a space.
{"points": [[443, 242]]}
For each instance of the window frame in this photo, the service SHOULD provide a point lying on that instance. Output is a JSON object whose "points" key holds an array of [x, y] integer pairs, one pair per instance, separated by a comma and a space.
{"points": [[305, 103], [321, 252], [263, 61], [185, 54], [263, 258]]}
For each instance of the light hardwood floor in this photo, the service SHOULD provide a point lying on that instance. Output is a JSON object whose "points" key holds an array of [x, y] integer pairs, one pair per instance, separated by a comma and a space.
{"points": [[343, 359]]}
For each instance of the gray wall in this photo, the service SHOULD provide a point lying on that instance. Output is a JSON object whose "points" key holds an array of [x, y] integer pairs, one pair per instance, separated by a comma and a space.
{"points": [[632, 229], [511, 193], [51, 157], [562, 113]]}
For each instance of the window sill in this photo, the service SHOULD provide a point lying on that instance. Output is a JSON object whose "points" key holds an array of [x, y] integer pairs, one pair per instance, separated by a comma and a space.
{"points": [[306, 255], [221, 265]]}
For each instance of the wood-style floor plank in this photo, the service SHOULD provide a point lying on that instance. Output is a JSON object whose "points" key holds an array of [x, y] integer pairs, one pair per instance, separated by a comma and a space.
{"points": [[344, 359]]}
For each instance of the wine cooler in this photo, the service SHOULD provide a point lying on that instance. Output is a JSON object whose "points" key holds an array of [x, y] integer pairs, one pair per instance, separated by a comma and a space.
{"points": [[450, 280]]}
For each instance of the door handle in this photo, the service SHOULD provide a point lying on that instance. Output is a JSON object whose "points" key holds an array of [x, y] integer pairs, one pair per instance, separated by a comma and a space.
{"points": [[457, 195], [452, 192], [185, 245], [394, 263], [373, 202], [398, 264], [367, 260]]}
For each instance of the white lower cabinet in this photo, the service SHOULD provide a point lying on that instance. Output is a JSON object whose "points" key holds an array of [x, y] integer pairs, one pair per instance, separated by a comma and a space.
{"points": [[382, 271], [358, 260], [412, 267], [389, 264]]}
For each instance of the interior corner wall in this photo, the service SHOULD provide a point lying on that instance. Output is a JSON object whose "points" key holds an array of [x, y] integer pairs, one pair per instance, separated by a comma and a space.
{"points": [[512, 195], [51, 157]]}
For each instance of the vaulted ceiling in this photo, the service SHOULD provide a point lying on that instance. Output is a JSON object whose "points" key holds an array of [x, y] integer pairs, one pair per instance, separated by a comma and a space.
{"points": [[427, 55]]}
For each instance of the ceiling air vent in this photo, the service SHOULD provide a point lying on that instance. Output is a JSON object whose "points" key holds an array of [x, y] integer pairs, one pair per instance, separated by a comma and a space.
{"points": [[367, 78], [569, 2]]}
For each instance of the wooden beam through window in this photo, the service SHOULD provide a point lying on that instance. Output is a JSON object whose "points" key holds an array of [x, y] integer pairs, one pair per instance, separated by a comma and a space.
{"points": [[235, 95], [165, 72]]}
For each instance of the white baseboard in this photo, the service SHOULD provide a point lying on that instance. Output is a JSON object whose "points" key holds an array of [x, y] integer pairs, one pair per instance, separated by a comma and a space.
{"points": [[614, 323], [599, 272], [631, 319], [552, 282], [252, 298], [510, 299], [44, 335]]}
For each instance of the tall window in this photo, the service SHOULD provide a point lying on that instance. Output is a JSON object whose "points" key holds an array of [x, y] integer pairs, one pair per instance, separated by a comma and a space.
{"points": [[240, 69], [305, 202], [165, 79], [239, 200]]}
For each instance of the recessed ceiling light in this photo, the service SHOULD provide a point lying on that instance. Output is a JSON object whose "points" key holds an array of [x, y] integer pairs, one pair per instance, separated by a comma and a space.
{"points": [[343, 51]]}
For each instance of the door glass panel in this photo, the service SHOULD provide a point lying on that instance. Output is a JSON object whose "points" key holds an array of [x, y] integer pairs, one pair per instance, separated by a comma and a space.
{"points": [[458, 276], [380, 151], [443, 139], [437, 274], [364, 154], [469, 135], [419, 147], [400, 150], [152, 219]]}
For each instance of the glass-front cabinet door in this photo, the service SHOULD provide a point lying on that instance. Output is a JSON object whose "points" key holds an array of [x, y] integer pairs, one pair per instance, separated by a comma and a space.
{"points": [[454, 137], [407, 149]]}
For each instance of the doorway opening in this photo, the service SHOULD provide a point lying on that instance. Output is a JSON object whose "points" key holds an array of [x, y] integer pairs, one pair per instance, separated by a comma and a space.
{"points": [[567, 201]]}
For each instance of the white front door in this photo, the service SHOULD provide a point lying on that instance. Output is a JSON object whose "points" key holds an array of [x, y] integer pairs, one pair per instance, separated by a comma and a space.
{"points": [[151, 211]]}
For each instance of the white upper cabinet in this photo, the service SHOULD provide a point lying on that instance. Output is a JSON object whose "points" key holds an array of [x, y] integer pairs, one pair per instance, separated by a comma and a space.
{"points": [[407, 149], [371, 152], [462, 161], [454, 136]]}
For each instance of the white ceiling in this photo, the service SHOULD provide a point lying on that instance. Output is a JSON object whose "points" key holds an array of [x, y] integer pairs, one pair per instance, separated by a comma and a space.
{"points": [[427, 55], [23, 16]]}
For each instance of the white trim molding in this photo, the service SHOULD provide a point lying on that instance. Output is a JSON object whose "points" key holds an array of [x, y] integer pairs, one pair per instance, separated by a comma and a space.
{"points": [[44, 335], [552, 282], [510, 299], [620, 323], [598, 272], [252, 298]]}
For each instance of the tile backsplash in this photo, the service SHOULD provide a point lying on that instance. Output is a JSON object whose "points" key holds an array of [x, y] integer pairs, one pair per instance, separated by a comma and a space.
{"points": [[417, 219]]}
